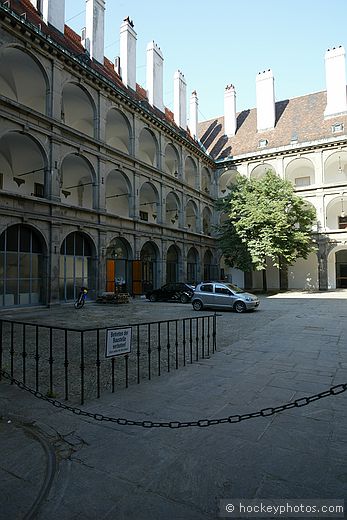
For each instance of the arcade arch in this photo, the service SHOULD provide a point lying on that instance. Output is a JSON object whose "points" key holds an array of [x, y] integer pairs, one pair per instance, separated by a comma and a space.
{"points": [[192, 266], [22, 266], [77, 109], [119, 266], [149, 257], [118, 131], [118, 193], [259, 171], [300, 172], [22, 165], [190, 172], [207, 221], [77, 181], [209, 271], [206, 180], [191, 212], [23, 79], [172, 210], [226, 180], [173, 257], [172, 160], [336, 213], [76, 265], [149, 202], [148, 148], [335, 168]]}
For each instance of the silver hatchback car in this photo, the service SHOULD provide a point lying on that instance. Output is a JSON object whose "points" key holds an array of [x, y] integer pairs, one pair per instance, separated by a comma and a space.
{"points": [[223, 295]]}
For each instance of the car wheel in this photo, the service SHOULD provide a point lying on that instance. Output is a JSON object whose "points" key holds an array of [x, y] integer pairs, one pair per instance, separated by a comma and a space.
{"points": [[239, 307], [184, 298], [197, 305], [152, 298]]}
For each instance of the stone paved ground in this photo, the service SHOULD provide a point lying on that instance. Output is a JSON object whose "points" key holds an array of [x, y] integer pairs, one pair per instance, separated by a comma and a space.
{"points": [[294, 345]]}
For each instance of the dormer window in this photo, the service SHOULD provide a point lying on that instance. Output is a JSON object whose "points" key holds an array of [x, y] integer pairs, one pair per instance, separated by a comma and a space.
{"points": [[337, 127], [263, 143], [294, 138]]}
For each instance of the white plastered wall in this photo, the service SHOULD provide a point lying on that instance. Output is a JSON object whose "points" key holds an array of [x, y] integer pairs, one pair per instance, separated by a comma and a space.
{"points": [[304, 273]]}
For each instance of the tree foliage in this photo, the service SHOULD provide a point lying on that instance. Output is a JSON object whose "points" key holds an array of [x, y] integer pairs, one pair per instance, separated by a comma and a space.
{"points": [[265, 218]]}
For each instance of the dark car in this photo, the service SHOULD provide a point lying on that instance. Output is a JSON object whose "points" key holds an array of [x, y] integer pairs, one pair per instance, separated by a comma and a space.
{"points": [[178, 292]]}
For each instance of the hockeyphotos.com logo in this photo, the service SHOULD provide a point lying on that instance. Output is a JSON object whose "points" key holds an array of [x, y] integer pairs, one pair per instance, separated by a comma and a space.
{"points": [[264, 508]]}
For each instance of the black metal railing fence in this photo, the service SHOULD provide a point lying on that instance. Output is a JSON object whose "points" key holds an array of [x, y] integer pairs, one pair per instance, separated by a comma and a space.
{"points": [[71, 363]]}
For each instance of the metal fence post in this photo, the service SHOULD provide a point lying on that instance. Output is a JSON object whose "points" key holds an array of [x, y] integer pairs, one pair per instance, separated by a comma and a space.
{"points": [[0, 348], [82, 367]]}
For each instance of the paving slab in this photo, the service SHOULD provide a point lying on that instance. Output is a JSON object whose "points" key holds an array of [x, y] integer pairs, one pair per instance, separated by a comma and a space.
{"points": [[76, 467]]}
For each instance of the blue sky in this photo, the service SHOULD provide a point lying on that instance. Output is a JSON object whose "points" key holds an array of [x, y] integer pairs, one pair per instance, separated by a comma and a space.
{"points": [[220, 42]]}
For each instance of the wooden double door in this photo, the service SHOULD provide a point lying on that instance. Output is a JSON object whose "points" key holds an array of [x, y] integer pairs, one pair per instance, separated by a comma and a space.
{"points": [[132, 276]]}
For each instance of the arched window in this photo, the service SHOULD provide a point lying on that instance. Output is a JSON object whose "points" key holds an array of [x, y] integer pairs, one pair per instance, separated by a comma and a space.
{"points": [[22, 270], [76, 268]]}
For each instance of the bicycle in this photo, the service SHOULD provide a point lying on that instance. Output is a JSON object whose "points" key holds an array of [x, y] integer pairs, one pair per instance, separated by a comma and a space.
{"points": [[81, 298]]}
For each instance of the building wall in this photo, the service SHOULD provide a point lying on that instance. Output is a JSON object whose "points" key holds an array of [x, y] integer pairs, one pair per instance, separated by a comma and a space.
{"points": [[86, 147], [304, 274], [319, 175]]}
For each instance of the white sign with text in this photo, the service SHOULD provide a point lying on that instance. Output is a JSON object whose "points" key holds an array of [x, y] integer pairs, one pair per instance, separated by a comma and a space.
{"points": [[118, 341]]}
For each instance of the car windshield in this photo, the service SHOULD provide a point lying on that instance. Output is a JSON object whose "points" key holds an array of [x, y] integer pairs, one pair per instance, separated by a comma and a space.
{"points": [[234, 288]]}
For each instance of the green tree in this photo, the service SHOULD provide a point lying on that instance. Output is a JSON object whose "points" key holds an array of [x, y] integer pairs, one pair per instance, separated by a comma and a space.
{"points": [[265, 219]]}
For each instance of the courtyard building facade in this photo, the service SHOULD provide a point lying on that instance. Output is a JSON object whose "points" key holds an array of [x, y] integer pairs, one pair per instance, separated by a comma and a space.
{"points": [[103, 186]]}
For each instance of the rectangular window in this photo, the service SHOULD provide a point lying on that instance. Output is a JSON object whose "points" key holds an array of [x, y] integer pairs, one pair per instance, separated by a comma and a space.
{"points": [[222, 290], [302, 181], [337, 127], [1, 181], [144, 215], [207, 288], [342, 222], [39, 189]]}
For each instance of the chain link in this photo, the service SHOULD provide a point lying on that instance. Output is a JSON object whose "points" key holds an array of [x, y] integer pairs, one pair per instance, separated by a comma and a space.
{"points": [[202, 423]]}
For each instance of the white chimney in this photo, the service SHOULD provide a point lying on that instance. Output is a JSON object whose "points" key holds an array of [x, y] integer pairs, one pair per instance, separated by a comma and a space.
{"points": [[265, 93], [180, 100], [94, 31], [154, 81], [335, 73], [229, 111], [193, 114], [128, 53], [53, 12]]}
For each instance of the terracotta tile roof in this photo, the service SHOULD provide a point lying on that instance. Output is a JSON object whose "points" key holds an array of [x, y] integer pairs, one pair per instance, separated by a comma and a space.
{"points": [[71, 41], [169, 115], [141, 92], [298, 120]]}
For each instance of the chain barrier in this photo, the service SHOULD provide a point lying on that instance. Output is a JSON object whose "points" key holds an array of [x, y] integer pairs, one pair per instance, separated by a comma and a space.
{"points": [[265, 412]]}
